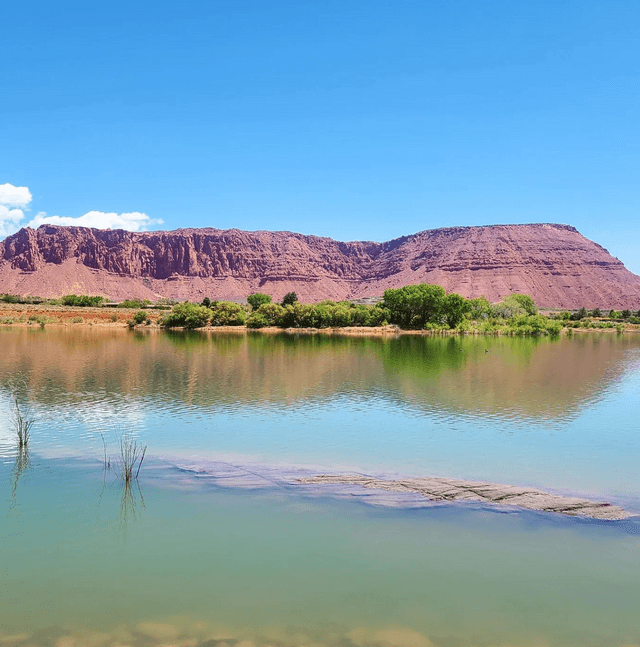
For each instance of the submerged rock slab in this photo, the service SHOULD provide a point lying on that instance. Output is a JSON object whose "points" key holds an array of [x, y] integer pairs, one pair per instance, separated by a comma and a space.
{"points": [[444, 489]]}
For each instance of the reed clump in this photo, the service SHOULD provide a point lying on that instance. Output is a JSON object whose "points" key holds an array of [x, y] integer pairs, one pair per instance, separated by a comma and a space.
{"points": [[23, 420], [132, 455]]}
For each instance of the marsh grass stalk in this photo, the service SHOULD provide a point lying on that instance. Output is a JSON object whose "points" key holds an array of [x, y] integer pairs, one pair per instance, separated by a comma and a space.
{"points": [[131, 457], [22, 421]]}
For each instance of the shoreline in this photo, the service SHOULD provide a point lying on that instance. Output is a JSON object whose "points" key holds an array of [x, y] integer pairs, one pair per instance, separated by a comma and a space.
{"points": [[30, 316]]}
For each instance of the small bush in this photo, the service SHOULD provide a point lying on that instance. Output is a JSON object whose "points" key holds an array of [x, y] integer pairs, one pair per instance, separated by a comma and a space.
{"points": [[139, 316], [82, 300], [257, 320], [134, 303], [226, 313], [187, 315], [77, 320]]}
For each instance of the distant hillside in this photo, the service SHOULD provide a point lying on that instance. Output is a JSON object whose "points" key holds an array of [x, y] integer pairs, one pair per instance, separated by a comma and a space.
{"points": [[554, 263]]}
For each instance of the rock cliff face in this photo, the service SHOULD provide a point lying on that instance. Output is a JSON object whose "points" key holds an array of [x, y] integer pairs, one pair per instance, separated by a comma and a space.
{"points": [[553, 263]]}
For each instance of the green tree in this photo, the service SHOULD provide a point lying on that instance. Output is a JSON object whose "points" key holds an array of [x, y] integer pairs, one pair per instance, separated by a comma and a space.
{"points": [[413, 306], [256, 299], [479, 308], [454, 309], [206, 302], [289, 299], [525, 302]]}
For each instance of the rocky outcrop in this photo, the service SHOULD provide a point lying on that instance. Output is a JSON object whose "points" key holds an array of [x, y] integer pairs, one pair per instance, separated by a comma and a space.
{"points": [[553, 263], [444, 489]]}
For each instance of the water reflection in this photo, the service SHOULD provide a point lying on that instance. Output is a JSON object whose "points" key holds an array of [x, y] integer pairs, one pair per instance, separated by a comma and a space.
{"points": [[131, 502], [117, 372], [21, 465]]}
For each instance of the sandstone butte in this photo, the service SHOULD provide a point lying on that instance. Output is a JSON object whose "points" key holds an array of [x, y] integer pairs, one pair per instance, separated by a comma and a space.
{"points": [[553, 263]]}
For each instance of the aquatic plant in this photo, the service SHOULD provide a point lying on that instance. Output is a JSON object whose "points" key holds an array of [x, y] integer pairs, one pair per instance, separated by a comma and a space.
{"points": [[22, 421], [131, 455]]}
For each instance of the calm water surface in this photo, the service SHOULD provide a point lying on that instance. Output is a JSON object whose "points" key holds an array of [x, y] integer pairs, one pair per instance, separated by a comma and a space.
{"points": [[186, 558]]}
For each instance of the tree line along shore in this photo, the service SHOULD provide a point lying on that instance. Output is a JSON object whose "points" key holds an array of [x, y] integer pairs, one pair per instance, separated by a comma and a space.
{"points": [[420, 307]]}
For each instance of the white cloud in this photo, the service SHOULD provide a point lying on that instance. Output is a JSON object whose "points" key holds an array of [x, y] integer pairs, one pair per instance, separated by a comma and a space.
{"points": [[133, 221], [14, 196], [14, 201], [9, 219]]}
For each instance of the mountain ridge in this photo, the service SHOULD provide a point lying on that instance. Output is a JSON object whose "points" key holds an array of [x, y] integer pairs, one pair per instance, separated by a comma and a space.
{"points": [[553, 262]]}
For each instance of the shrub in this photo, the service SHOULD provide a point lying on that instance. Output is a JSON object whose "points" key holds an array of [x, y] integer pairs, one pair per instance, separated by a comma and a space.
{"points": [[579, 314], [82, 300], [554, 328], [289, 299], [378, 316], [257, 299], [16, 298], [273, 313], [134, 303], [479, 309], [187, 315], [523, 301], [226, 313], [139, 316], [257, 320], [77, 320]]}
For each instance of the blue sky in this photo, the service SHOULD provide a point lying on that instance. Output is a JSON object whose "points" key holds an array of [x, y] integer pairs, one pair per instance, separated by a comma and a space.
{"points": [[350, 119]]}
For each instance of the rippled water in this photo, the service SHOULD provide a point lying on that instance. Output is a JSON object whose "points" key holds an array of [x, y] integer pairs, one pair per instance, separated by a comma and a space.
{"points": [[182, 558]]}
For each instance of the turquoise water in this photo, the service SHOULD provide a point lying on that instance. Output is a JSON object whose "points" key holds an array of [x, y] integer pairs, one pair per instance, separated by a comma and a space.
{"points": [[186, 558]]}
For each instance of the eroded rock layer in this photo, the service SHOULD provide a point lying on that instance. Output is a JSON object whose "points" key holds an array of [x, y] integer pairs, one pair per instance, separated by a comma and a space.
{"points": [[554, 263], [444, 489]]}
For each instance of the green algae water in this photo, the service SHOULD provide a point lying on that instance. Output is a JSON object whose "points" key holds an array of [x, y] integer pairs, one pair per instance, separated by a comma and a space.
{"points": [[213, 546]]}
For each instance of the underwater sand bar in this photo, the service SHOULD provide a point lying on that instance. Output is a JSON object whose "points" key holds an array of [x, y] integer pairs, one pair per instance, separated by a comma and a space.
{"points": [[444, 489]]}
